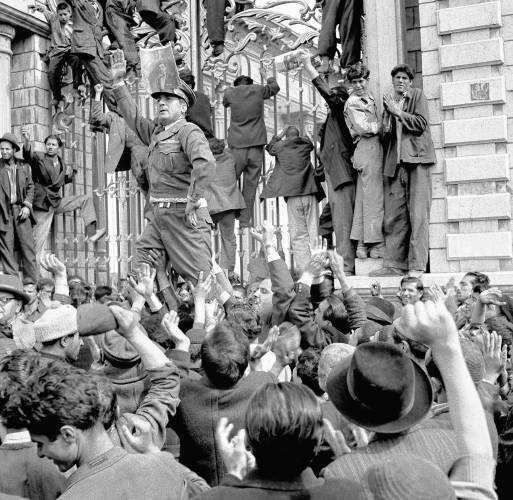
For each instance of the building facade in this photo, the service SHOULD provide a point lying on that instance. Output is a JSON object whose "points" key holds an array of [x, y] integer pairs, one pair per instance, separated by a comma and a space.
{"points": [[461, 50]]}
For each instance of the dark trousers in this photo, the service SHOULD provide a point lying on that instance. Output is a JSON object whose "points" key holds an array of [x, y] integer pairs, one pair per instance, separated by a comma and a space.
{"points": [[341, 202], [159, 20], [55, 66], [18, 235], [226, 224], [119, 22], [215, 20], [346, 14], [407, 210], [189, 249], [249, 161], [98, 73]]}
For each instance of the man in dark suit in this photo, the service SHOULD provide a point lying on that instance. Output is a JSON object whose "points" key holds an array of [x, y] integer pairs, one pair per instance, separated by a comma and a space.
{"points": [[336, 152], [16, 217], [247, 134], [408, 157], [200, 113], [50, 174], [86, 43], [293, 178]]}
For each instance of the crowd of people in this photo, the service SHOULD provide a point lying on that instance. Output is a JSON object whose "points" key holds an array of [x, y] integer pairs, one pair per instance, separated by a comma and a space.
{"points": [[280, 389], [181, 381]]}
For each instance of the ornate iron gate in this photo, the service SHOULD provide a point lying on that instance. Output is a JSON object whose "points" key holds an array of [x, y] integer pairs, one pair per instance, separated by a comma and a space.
{"points": [[254, 38]]}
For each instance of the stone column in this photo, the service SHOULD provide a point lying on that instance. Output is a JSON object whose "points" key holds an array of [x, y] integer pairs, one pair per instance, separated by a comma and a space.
{"points": [[384, 46], [6, 35]]}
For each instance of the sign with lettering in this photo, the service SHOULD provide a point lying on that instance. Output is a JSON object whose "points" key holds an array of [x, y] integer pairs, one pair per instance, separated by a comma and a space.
{"points": [[480, 91]]}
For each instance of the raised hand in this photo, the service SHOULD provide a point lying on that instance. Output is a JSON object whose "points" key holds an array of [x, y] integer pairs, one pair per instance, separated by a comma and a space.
{"points": [[127, 321], [137, 433], [170, 323], [202, 288], [262, 349], [335, 439], [319, 260], [237, 459], [375, 289], [430, 323], [391, 105], [145, 281], [336, 263], [117, 66], [25, 134], [53, 265], [491, 296], [493, 356]]}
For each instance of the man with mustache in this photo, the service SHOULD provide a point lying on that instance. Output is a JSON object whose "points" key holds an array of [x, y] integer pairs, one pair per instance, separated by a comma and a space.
{"points": [[408, 157], [180, 165]]}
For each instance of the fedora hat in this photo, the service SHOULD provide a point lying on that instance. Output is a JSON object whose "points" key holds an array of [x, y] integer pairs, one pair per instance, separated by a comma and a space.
{"points": [[12, 284], [380, 388], [12, 139]]}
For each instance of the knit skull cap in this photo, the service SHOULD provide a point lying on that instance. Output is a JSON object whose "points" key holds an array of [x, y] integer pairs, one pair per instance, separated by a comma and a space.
{"points": [[407, 477], [56, 323], [473, 359]]}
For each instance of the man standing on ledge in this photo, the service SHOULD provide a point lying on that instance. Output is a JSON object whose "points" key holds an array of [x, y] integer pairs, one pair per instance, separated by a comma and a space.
{"points": [[179, 166], [408, 157], [247, 134]]}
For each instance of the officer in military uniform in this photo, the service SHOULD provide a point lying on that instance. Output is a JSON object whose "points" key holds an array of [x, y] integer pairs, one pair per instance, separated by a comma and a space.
{"points": [[180, 164]]}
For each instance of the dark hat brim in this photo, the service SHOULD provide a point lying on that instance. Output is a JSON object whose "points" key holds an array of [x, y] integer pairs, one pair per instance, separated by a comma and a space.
{"points": [[16, 292], [358, 414]]}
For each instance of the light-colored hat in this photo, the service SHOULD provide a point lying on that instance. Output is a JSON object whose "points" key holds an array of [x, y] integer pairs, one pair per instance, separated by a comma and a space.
{"points": [[56, 323]]}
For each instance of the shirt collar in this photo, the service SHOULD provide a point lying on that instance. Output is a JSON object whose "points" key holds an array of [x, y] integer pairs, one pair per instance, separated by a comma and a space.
{"points": [[305, 480], [17, 437]]}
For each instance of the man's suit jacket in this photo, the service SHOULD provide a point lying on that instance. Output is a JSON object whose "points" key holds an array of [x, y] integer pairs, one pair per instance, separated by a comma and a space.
{"points": [[416, 143], [247, 126], [47, 193], [24, 190], [336, 145], [87, 28]]}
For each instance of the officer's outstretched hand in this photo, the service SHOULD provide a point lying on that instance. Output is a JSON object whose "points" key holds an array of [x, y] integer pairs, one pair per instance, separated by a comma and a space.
{"points": [[190, 212], [117, 66]]}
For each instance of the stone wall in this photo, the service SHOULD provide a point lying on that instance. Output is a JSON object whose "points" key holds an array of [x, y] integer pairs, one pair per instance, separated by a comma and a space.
{"points": [[467, 64]]}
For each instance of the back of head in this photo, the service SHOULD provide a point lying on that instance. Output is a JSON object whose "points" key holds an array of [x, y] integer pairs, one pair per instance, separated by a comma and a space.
{"points": [[225, 355], [330, 356], [187, 76], [340, 91], [336, 312], [102, 291], [480, 281], [242, 80], [244, 319], [283, 429], [407, 477], [60, 394], [15, 370], [307, 369], [216, 145], [292, 132], [357, 71]]}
